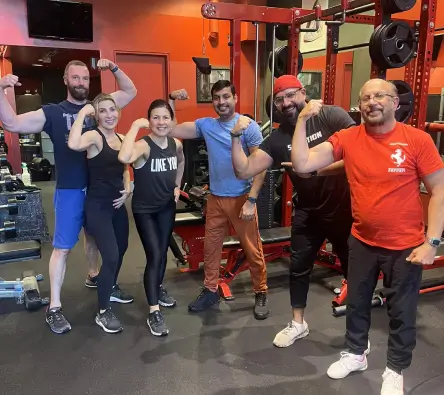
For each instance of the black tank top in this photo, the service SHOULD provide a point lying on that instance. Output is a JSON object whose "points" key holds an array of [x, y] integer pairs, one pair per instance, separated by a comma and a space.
{"points": [[105, 173], [155, 181]]}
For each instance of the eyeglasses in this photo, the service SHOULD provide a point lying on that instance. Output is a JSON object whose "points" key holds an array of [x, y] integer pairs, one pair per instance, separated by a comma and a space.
{"points": [[290, 96], [378, 97]]}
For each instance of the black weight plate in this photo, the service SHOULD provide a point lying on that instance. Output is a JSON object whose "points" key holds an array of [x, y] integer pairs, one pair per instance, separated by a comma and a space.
{"points": [[282, 32], [281, 61], [397, 44], [395, 6], [277, 116], [375, 47], [406, 100]]}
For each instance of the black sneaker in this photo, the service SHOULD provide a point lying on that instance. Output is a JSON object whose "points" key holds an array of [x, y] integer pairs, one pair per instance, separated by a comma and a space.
{"points": [[260, 308], [108, 321], [156, 323], [120, 296], [57, 321], [166, 300], [205, 300], [91, 282]]}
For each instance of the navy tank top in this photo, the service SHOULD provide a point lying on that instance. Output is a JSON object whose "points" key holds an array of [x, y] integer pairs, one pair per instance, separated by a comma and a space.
{"points": [[105, 173], [155, 181]]}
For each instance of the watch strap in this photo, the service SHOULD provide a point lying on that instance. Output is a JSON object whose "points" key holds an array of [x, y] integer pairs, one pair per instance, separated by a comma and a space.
{"points": [[238, 134], [252, 199], [115, 69], [434, 242]]}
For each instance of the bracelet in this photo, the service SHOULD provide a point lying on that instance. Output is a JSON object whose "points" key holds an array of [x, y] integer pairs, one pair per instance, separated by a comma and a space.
{"points": [[171, 98], [115, 69]]}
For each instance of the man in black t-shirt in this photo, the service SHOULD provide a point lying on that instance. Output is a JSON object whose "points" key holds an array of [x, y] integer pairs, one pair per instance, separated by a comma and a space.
{"points": [[322, 209], [72, 176]]}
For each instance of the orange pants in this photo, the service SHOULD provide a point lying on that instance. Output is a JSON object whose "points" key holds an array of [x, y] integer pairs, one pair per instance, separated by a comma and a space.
{"points": [[221, 211]]}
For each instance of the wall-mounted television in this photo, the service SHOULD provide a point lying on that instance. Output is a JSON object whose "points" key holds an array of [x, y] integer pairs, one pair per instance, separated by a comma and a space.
{"points": [[60, 20]]}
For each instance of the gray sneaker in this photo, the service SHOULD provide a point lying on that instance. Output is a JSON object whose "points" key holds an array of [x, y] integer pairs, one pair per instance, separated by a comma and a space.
{"points": [[156, 323], [57, 321], [108, 321], [166, 300], [119, 296]]}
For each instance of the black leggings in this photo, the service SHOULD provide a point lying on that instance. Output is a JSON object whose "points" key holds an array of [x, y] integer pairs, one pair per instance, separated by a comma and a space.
{"points": [[110, 229], [155, 233]]}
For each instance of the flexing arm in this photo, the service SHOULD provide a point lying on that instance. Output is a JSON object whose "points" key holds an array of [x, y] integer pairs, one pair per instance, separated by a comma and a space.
{"points": [[258, 180], [186, 130], [180, 94], [131, 150], [30, 122], [303, 159], [245, 166], [78, 141], [127, 91]]}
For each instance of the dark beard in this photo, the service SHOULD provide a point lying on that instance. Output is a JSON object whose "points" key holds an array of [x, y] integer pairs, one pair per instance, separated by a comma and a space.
{"points": [[78, 95]]}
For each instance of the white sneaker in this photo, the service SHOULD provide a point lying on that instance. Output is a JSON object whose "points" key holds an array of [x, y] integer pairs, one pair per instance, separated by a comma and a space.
{"points": [[292, 332], [392, 383], [347, 364]]}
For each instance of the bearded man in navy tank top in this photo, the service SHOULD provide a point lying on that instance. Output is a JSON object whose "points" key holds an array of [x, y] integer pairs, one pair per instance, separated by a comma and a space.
{"points": [[56, 120]]}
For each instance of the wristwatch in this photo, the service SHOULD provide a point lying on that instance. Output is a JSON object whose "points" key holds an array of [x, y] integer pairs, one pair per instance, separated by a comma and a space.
{"points": [[171, 97], [314, 173], [434, 242], [252, 200], [238, 134], [115, 69]]}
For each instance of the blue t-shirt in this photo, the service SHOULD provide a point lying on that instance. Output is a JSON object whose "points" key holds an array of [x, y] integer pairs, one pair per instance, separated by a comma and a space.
{"points": [[71, 166], [216, 133]]}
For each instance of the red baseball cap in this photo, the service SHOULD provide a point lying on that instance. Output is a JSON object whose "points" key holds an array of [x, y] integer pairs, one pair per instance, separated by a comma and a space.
{"points": [[286, 82]]}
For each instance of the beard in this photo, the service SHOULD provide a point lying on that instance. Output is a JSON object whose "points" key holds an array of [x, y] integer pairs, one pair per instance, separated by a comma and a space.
{"points": [[79, 93], [291, 112]]}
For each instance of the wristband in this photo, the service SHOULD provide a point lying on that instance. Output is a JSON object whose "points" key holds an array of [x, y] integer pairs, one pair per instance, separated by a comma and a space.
{"points": [[171, 98], [115, 69]]}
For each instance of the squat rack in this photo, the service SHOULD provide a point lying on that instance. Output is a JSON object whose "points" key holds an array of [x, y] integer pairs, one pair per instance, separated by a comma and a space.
{"points": [[417, 71]]}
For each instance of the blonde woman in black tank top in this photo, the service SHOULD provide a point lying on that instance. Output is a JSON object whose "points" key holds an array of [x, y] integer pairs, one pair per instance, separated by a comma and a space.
{"points": [[106, 217], [158, 164]]}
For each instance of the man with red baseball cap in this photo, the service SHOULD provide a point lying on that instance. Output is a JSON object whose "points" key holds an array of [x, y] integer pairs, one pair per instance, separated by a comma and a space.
{"points": [[322, 207]]}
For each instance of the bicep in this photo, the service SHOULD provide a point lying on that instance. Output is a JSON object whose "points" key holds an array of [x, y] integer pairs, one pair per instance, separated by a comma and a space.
{"points": [[140, 150], [87, 140], [322, 155], [122, 98], [179, 150], [185, 130], [30, 122], [258, 161], [434, 182]]}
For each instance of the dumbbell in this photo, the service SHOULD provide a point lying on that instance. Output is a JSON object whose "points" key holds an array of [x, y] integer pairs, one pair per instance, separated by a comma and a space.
{"points": [[9, 230], [11, 206], [4, 162]]}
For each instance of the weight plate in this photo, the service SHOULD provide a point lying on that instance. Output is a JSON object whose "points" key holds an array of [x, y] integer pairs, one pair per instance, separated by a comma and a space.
{"points": [[372, 41], [394, 45], [395, 6], [282, 32], [281, 61], [406, 100]]}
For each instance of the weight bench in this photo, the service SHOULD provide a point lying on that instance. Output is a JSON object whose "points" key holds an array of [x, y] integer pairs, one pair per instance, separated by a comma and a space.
{"points": [[275, 242], [190, 227], [25, 290]]}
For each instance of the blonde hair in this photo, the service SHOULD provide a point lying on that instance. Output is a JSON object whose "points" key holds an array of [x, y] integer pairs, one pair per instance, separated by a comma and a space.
{"points": [[73, 63], [101, 97]]}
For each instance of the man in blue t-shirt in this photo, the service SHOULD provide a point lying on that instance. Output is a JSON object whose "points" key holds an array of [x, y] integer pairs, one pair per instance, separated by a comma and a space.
{"points": [[72, 178], [232, 201]]}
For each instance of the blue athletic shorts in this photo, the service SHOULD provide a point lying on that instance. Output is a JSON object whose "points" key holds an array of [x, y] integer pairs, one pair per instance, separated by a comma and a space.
{"points": [[69, 207]]}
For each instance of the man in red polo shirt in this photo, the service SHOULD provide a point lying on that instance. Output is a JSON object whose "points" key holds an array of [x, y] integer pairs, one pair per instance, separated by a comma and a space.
{"points": [[385, 161]]}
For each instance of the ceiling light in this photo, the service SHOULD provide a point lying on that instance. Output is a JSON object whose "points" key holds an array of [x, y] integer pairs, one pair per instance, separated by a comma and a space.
{"points": [[37, 65]]}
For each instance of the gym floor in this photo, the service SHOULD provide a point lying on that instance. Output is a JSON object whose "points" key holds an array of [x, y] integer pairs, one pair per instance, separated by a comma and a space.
{"points": [[224, 351]]}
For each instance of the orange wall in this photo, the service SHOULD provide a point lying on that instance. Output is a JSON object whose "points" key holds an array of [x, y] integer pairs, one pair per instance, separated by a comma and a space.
{"points": [[146, 26], [318, 64]]}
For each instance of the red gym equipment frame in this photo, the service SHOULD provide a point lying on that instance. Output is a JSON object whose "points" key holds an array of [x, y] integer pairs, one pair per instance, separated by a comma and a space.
{"points": [[417, 73]]}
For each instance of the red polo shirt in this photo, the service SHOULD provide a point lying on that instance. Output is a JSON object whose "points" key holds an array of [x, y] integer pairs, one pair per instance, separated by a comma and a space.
{"points": [[384, 172]]}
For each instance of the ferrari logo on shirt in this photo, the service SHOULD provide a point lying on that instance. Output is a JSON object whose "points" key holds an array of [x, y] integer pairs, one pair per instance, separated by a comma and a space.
{"points": [[398, 158]]}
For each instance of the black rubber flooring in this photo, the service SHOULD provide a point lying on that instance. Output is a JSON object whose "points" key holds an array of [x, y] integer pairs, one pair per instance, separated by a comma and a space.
{"points": [[224, 351]]}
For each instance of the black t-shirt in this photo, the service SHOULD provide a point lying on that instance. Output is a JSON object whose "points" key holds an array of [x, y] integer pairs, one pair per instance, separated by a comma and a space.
{"points": [[71, 165], [155, 181], [324, 196]]}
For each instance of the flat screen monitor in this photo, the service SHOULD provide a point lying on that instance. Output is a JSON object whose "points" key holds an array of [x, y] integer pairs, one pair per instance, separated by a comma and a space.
{"points": [[60, 20]]}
